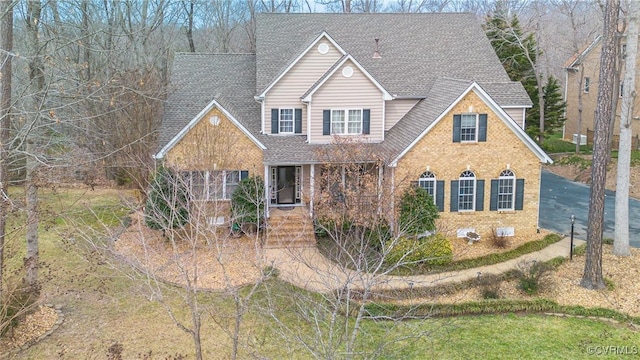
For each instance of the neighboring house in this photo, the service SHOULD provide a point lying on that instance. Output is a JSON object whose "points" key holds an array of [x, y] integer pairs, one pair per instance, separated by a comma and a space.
{"points": [[426, 91], [585, 66]]}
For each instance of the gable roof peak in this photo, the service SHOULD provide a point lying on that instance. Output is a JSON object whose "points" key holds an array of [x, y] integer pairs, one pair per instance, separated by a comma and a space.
{"points": [[323, 35]]}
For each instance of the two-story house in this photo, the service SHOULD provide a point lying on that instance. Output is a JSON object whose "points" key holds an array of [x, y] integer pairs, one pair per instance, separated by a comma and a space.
{"points": [[581, 94], [426, 91]]}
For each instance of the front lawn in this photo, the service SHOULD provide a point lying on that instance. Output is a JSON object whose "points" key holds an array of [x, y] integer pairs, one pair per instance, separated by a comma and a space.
{"points": [[106, 308]]}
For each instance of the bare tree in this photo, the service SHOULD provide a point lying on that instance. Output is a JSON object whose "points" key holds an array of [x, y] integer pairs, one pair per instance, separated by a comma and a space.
{"points": [[592, 277], [34, 105], [189, 12], [6, 46], [354, 217], [621, 239]]}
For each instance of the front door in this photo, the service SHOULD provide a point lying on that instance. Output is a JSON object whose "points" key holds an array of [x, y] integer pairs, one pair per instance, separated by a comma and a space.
{"points": [[286, 185]]}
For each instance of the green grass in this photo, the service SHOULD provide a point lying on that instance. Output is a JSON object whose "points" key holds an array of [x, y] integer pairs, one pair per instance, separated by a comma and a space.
{"points": [[635, 156], [527, 337], [105, 303], [554, 144]]}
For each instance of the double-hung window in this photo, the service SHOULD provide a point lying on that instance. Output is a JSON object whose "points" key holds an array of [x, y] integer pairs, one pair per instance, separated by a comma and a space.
{"points": [[286, 121], [212, 185], [347, 122], [506, 190], [469, 128], [466, 191]]}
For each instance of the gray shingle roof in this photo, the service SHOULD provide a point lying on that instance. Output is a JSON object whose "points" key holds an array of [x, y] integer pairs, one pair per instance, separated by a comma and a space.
{"points": [[416, 48], [507, 93], [422, 56], [442, 94], [197, 79]]}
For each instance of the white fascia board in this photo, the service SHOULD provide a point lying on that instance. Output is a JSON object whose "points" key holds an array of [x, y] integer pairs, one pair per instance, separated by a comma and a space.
{"points": [[294, 62], [522, 135], [385, 93], [584, 53], [213, 104], [517, 106]]}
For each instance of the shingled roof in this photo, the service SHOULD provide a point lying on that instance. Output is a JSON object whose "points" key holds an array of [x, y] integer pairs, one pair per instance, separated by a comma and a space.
{"points": [[434, 57], [416, 49], [198, 79]]}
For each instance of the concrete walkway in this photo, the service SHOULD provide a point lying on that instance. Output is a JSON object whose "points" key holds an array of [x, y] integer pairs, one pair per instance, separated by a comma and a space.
{"points": [[308, 269]]}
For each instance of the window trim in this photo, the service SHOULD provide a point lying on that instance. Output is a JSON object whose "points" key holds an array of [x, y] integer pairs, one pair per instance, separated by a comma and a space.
{"points": [[512, 177], [476, 128], [429, 176], [293, 121], [586, 85], [472, 178], [208, 182], [345, 122]]}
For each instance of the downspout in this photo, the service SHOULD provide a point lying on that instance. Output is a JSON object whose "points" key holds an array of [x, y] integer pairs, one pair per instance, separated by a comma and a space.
{"points": [[267, 193], [312, 189]]}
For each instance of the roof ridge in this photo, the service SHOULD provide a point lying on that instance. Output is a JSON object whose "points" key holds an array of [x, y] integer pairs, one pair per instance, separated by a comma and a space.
{"points": [[188, 53]]}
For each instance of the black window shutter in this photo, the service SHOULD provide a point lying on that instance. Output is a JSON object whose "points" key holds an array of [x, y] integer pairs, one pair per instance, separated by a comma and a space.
{"points": [[274, 121], [493, 204], [298, 123], [366, 121], [457, 122], [519, 194], [244, 174], [326, 122], [479, 195], [440, 195], [454, 196], [482, 129]]}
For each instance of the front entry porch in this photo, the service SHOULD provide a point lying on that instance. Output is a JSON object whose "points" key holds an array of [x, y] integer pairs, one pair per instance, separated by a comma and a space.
{"points": [[285, 185]]}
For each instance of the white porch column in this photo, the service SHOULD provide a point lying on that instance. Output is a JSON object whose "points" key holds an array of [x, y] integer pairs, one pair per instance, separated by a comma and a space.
{"points": [[267, 194], [312, 189]]}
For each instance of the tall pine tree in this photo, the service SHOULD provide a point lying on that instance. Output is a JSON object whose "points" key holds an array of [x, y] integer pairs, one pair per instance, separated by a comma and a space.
{"points": [[518, 52], [553, 110]]}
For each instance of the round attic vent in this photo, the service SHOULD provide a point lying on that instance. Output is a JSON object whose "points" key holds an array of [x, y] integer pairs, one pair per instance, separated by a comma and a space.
{"points": [[214, 120], [323, 48], [347, 71]]}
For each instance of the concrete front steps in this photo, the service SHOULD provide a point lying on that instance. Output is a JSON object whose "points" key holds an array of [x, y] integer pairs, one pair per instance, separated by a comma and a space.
{"points": [[289, 228]]}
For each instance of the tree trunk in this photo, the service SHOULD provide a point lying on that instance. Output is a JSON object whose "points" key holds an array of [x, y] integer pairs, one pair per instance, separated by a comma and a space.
{"points": [[6, 44], [621, 239], [592, 277], [579, 125], [36, 78], [540, 82]]}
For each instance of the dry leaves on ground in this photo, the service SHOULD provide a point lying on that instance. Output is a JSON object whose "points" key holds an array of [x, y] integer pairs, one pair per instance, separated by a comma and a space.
{"points": [[221, 261]]}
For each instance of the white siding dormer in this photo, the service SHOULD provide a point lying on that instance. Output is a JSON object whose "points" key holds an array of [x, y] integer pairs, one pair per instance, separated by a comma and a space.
{"points": [[340, 94]]}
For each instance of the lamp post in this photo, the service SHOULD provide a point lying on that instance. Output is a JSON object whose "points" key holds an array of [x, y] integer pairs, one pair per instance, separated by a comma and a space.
{"points": [[573, 221]]}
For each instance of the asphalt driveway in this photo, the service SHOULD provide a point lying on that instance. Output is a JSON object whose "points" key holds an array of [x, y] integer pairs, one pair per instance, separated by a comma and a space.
{"points": [[560, 198]]}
